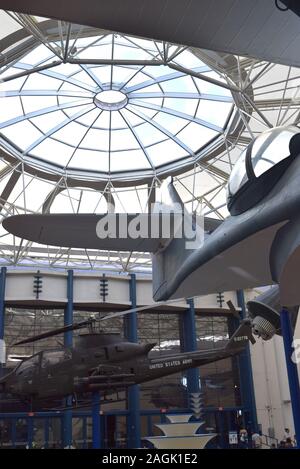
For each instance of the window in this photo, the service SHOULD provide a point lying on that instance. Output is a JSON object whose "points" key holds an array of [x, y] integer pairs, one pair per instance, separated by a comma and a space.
{"points": [[112, 118]]}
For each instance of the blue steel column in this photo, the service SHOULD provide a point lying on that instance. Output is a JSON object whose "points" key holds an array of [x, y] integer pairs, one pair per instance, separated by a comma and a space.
{"points": [[246, 376], [2, 307], [190, 345], [133, 418], [287, 334], [68, 342], [30, 432], [96, 433], [46, 432]]}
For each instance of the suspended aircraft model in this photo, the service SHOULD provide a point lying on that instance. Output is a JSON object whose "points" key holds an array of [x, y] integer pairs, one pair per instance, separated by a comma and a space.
{"points": [[258, 244], [103, 362], [241, 27]]}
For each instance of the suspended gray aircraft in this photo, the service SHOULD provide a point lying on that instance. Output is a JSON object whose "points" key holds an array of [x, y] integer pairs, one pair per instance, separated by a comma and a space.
{"points": [[243, 27], [258, 244]]}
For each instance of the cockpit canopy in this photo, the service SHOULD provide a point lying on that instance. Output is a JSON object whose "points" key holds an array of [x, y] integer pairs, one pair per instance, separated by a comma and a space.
{"points": [[253, 176]]}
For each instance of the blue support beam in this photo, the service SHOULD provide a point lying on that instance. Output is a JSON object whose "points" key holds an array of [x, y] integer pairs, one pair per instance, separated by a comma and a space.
{"points": [[96, 432], [131, 319], [84, 433], [30, 432], [190, 345], [14, 432], [246, 376], [133, 393], [292, 371], [68, 316], [46, 433], [68, 342], [149, 425], [2, 317], [221, 429]]}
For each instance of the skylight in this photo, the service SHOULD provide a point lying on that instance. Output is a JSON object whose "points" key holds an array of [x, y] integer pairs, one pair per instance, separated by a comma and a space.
{"points": [[119, 105]]}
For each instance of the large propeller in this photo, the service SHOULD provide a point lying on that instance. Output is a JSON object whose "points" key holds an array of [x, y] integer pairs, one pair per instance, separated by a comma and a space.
{"points": [[233, 310]]}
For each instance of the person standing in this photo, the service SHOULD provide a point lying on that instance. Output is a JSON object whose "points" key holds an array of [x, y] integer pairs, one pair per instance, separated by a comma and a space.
{"points": [[288, 443], [243, 438], [286, 434], [256, 441]]}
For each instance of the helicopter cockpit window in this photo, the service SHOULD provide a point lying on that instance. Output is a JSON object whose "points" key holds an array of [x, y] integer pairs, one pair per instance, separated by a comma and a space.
{"points": [[238, 175], [52, 358], [120, 348], [269, 149], [30, 364]]}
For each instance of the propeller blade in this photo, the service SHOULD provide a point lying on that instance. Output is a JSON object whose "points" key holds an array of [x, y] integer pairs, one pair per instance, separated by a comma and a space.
{"points": [[248, 321], [235, 313], [252, 340], [60, 330], [233, 309]]}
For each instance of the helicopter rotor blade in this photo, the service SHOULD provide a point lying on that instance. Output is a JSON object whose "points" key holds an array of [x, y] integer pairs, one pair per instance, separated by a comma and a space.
{"points": [[248, 321], [233, 309], [140, 308], [60, 330], [90, 321], [252, 339], [157, 305]]}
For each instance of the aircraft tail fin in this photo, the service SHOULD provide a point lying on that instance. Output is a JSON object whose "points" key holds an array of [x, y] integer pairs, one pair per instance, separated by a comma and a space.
{"points": [[167, 197], [241, 337]]}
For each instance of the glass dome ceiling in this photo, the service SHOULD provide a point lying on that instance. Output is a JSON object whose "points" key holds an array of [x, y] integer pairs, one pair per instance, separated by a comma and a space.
{"points": [[120, 105]]}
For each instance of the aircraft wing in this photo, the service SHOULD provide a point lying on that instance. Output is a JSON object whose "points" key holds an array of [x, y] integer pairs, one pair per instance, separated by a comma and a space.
{"points": [[73, 230], [247, 28], [80, 231]]}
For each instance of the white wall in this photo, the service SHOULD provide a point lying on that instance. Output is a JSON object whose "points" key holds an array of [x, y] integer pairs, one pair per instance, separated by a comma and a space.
{"points": [[19, 288], [271, 383]]}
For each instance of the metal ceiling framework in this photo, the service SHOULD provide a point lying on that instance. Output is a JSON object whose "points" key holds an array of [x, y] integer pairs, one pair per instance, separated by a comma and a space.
{"points": [[145, 82], [262, 94]]}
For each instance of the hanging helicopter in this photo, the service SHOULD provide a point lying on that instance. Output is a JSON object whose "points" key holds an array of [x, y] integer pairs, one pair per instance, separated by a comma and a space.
{"points": [[103, 362]]}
